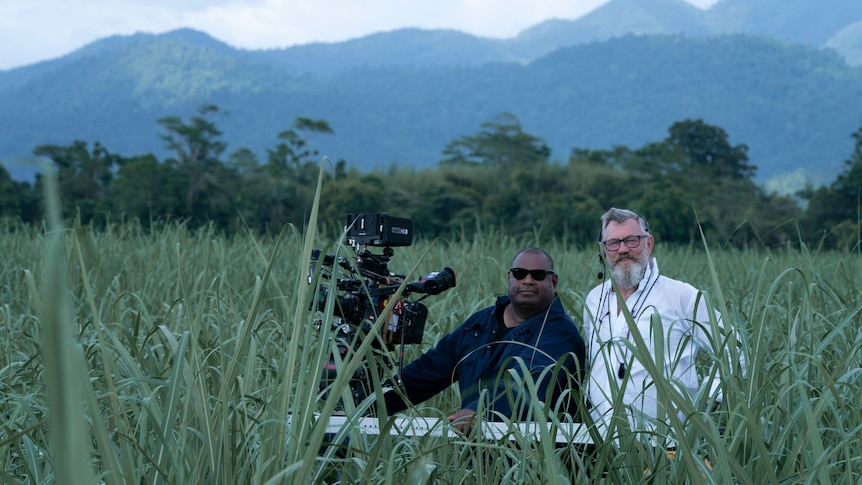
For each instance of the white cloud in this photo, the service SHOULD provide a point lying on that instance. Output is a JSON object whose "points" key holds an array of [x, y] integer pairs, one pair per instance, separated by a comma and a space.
{"points": [[48, 29]]}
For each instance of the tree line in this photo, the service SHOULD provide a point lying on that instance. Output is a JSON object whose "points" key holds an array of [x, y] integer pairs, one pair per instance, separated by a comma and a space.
{"points": [[500, 178]]}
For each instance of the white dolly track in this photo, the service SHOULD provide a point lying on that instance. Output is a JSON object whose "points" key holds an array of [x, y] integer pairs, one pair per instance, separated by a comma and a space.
{"points": [[417, 426]]}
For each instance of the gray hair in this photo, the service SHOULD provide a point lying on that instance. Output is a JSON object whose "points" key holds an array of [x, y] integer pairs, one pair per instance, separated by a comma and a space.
{"points": [[621, 215]]}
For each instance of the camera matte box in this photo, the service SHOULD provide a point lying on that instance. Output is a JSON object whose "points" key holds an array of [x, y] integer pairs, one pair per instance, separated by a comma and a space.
{"points": [[379, 229]]}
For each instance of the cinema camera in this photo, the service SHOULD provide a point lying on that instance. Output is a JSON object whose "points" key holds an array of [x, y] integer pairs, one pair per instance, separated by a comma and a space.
{"points": [[363, 287]]}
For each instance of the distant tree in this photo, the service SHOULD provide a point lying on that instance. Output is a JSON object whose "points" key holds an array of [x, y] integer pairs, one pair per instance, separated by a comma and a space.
{"points": [[459, 197], [848, 184], [502, 143], [358, 193], [294, 148], [292, 158], [617, 157], [83, 176], [147, 190], [281, 190], [671, 214], [196, 142], [692, 179], [707, 148], [695, 149], [209, 184], [18, 199], [244, 161], [835, 212]]}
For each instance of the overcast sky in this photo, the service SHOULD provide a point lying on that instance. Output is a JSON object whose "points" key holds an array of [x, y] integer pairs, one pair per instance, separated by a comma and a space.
{"points": [[38, 30]]}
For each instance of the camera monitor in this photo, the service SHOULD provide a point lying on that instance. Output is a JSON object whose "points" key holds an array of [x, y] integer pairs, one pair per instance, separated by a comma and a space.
{"points": [[379, 229]]}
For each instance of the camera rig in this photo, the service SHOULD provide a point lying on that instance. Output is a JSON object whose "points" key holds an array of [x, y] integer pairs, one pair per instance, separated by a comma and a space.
{"points": [[362, 287]]}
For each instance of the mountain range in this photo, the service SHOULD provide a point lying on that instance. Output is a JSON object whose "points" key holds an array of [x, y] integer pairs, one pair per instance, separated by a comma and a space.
{"points": [[783, 77]]}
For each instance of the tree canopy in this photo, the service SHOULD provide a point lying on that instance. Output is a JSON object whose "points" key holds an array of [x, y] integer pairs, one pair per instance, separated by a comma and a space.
{"points": [[501, 177]]}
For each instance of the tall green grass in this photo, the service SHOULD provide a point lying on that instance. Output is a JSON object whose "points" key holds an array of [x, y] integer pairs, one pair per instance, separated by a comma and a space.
{"points": [[170, 356]]}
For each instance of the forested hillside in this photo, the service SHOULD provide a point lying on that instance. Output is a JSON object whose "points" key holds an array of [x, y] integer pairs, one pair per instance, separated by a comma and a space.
{"points": [[793, 106], [811, 22], [807, 22]]}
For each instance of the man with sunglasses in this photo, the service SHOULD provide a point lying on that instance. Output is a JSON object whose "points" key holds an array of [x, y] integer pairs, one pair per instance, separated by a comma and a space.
{"points": [[490, 354], [618, 379]]}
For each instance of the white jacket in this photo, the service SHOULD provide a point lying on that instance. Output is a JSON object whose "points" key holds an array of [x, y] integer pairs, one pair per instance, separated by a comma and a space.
{"points": [[685, 325]]}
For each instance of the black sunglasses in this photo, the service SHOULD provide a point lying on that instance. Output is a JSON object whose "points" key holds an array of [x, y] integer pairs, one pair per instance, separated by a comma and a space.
{"points": [[537, 274]]}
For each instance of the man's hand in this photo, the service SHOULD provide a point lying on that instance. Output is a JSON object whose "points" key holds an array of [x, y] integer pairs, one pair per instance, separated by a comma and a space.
{"points": [[463, 420]]}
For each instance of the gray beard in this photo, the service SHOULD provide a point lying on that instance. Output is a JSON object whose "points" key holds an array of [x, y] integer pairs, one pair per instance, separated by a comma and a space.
{"points": [[629, 279]]}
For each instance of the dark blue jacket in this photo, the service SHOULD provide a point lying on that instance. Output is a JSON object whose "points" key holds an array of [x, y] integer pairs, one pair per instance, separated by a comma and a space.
{"points": [[471, 356]]}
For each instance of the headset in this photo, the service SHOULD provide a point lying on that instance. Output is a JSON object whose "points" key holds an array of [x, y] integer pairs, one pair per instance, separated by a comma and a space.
{"points": [[601, 274]]}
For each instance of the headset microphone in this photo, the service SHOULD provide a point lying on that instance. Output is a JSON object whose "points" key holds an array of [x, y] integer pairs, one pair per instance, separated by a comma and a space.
{"points": [[601, 274]]}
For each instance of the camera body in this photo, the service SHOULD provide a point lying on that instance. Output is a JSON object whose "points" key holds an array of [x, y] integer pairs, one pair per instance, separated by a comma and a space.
{"points": [[358, 310], [362, 287], [379, 229]]}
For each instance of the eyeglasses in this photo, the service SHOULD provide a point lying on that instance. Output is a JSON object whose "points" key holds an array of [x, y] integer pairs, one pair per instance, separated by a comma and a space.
{"points": [[537, 274], [631, 242]]}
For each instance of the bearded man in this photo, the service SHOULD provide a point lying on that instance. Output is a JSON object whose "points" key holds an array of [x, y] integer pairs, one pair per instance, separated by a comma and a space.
{"points": [[669, 324]]}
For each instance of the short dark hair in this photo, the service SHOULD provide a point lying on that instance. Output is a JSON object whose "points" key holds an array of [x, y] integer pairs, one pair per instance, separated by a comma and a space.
{"points": [[535, 250]]}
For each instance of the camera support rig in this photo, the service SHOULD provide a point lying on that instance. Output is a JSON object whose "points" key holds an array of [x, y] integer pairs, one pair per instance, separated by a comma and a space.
{"points": [[364, 287]]}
